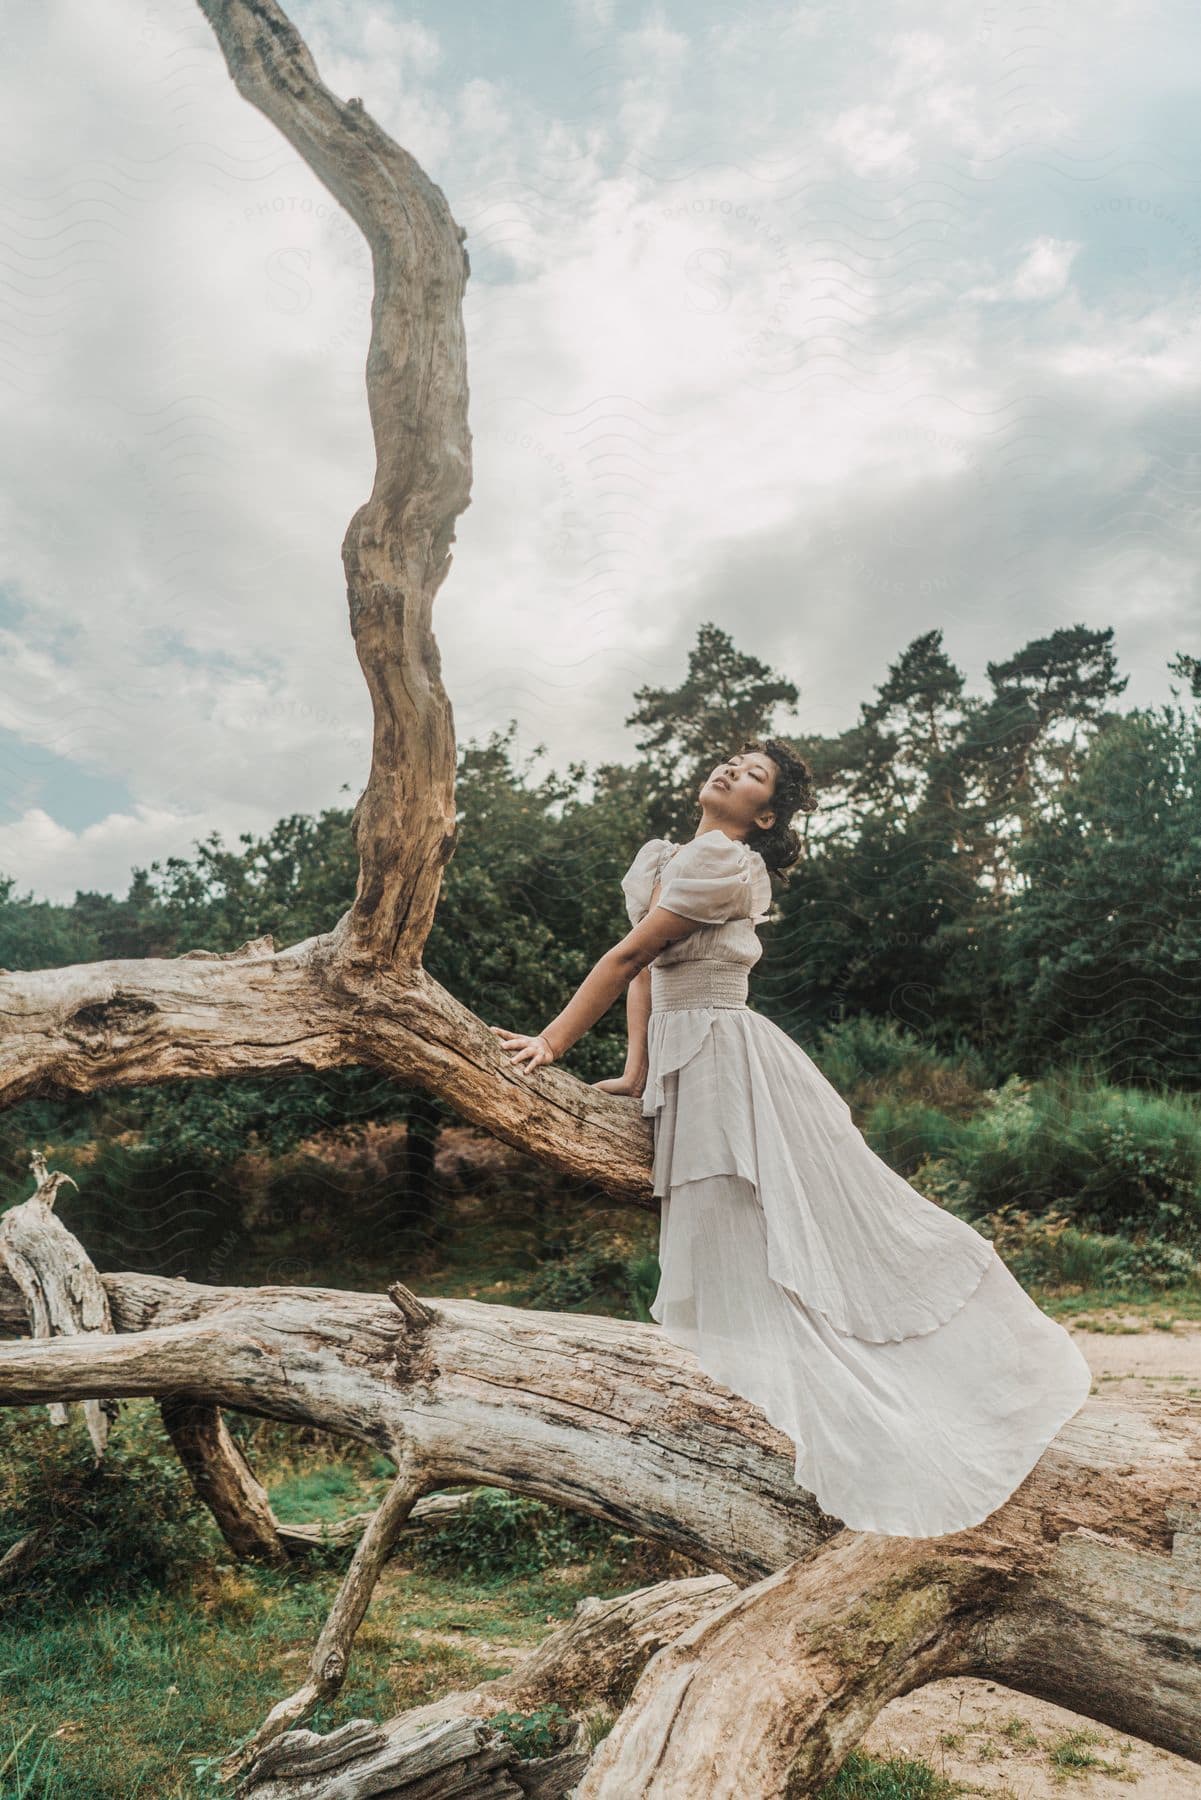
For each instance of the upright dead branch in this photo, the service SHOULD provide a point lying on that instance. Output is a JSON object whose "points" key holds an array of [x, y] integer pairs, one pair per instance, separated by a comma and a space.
{"points": [[61, 1289], [396, 549], [223, 1479], [357, 994], [331, 1657], [588, 1664]]}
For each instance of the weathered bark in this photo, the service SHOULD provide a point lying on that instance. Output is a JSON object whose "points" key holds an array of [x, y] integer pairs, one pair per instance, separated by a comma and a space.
{"points": [[1084, 1588], [589, 1664], [599, 1415], [454, 1759], [356, 994], [112, 1024], [121, 1023], [330, 1658], [598, 1655], [432, 1511], [396, 549], [223, 1479], [768, 1694]]}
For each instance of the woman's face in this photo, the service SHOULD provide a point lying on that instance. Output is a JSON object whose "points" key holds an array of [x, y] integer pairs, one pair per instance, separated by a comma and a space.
{"points": [[739, 791]]}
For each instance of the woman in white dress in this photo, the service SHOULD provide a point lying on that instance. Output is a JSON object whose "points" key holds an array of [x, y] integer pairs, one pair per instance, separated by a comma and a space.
{"points": [[917, 1380]]}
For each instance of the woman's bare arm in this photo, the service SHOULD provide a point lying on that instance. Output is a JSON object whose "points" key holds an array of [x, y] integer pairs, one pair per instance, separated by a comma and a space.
{"points": [[611, 976], [605, 981]]}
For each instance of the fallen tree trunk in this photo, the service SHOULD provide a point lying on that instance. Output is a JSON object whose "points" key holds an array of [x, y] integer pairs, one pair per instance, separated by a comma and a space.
{"points": [[599, 1415], [113, 1024], [452, 1759], [1085, 1588], [767, 1694]]}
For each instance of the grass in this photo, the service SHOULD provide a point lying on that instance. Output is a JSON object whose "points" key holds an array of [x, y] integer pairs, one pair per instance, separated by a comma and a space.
{"points": [[133, 1696], [1074, 1755], [1123, 1311], [140, 1693], [121, 1701], [864, 1777], [136, 1695], [130, 1696], [118, 1704]]}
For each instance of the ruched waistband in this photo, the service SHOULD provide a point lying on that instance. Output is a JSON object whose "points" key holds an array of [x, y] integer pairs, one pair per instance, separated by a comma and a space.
{"points": [[699, 982]]}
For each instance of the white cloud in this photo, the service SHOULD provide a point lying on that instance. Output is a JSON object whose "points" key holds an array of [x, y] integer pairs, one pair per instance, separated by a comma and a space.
{"points": [[1045, 269], [592, 15], [41, 853], [1042, 273], [651, 92], [482, 109], [730, 356], [872, 141]]}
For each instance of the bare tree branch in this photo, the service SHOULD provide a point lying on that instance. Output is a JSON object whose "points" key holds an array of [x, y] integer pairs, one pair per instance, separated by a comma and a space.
{"points": [[108, 1024], [396, 549], [60, 1286]]}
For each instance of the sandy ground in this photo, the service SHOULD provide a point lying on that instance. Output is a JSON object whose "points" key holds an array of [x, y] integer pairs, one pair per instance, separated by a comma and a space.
{"points": [[998, 1742]]}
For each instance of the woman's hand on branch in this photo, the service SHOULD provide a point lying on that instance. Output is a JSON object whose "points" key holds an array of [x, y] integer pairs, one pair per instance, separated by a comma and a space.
{"points": [[524, 1053]]}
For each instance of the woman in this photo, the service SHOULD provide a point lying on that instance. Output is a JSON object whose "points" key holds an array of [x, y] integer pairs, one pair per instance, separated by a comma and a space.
{"points": [[918, 1381]]}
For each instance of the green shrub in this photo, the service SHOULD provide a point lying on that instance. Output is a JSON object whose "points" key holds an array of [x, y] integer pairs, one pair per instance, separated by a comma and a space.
{"points": [[869, 1052], [1116, 1160], [864, 1048], [591, 1277], [907, 1134], [642, 1279], [1153, 1264], [132, 1523], [500, 1534], [1051, 1251], [533, 1734], [571, 1281]]}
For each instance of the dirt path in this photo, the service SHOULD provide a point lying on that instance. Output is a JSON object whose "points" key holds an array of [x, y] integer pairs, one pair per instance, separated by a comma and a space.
{"points": [[998, 1742]]}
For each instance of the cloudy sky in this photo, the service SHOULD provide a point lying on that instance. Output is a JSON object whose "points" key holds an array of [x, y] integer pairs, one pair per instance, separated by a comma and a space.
{"points": [[831, 324]]}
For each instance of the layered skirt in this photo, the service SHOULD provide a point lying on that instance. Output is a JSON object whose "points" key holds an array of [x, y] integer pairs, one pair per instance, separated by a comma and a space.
{"points": [[917, 1380]]}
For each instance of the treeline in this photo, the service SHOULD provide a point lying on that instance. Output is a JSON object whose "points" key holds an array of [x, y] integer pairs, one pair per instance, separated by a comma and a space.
{"points": [[1014, 874]]}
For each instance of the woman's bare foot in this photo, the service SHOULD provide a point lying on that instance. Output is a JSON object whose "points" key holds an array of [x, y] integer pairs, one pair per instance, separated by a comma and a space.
{"points": [[620, 1084]]}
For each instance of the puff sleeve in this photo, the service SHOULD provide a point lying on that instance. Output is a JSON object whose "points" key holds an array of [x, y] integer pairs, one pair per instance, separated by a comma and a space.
{"points": [[638, 882], [714, 879]]}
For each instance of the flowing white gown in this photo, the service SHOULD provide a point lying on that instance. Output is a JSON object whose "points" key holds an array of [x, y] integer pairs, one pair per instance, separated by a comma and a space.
{"points": [[917, 1379]]}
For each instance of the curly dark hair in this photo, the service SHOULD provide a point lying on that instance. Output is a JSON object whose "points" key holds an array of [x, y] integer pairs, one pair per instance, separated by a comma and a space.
{"points": [[780, 846]]}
